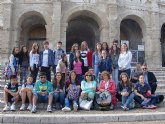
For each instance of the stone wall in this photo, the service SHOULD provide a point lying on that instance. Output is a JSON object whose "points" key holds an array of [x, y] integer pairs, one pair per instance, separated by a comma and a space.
{"points": [[149, 14]]}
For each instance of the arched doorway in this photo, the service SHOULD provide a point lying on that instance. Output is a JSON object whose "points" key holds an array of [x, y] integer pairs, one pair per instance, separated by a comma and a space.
{"points": [[82, 28], [162, 40], [131, 31], [33, 30]]}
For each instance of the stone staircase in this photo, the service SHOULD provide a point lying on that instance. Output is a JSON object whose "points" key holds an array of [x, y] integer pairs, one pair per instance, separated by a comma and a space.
{"points": [[117, 115]]}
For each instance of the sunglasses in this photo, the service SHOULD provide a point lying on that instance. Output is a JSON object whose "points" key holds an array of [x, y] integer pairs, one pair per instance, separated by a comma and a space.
{"points": [[42, 77]]}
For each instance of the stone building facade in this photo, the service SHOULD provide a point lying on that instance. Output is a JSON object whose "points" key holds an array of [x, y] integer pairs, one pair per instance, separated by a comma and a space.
{"points": [[141, 22]]}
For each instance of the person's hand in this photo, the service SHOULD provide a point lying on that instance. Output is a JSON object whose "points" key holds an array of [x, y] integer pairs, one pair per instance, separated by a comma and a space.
{"points": [[102, 90], [61, 90], [39, 68], [70, 86], [32, 68], [126, 94], [14, 94], [142, 97]]}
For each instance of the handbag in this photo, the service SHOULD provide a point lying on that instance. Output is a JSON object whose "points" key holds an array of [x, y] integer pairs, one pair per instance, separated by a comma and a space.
{"points": [[103, 98], [86, 105]]}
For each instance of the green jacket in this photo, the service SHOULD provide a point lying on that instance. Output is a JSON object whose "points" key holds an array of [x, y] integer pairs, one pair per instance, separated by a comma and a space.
{"points": [[46, 86]]}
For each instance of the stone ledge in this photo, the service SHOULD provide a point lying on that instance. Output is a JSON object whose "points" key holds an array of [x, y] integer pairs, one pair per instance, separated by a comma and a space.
{"points": [[80, 118]]}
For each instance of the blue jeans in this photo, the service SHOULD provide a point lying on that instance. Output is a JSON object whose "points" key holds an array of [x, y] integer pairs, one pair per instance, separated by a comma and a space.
{"points": [[152, 102], [96, 71], [68, 101], [127, 100], [42, 98], [59, 96], [115, 73]]}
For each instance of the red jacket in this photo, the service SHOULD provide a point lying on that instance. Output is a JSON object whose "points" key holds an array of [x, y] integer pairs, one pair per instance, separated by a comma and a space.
{"points": [[89, 58], [111, 88]]}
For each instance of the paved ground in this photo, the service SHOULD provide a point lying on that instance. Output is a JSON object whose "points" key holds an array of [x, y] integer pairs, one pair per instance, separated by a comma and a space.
{"points": [[149, 122], [116, 111]]}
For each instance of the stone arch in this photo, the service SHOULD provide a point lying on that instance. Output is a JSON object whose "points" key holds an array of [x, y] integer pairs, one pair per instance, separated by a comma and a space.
{"points": [[32, 28], [136, 17], [90, 18], [136, 34], [96, 14]]}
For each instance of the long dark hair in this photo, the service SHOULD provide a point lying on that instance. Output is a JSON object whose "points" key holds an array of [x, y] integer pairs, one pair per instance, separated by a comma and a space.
{"points": [[128, 83], [70, 75], [107, 47], [96, 47], [13, 51], [24, 54], [55, 81], [75, 57], [113, 51], [62, 57]]}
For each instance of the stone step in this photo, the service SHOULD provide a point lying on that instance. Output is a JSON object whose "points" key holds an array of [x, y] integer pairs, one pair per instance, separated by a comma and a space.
{"points": [[59, 117]]}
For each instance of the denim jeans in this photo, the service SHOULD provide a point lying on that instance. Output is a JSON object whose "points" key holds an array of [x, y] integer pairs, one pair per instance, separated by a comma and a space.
{"points": [[96, 71], [115, 73], [68, 101], [127, 100], [153, 101], [59, 96]]}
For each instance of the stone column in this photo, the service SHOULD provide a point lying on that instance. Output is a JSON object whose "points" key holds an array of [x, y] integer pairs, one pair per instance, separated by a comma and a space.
{"points": [[63, 34], [114, 28], [7, 28], [56, 23], [153, 53]]}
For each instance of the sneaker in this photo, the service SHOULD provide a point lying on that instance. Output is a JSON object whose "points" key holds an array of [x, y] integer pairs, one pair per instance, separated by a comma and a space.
{"points": [[123, 107], [75, 107], [49, 108], [29, 107], [66, 109], [111, 107], [152, 106], [34, 110], [145, 107], [126, 109], [12, 108], [6, 108], [22, 107]]}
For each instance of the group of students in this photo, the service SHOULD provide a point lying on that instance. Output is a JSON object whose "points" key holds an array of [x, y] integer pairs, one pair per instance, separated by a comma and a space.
{"points": [[81, 78]]}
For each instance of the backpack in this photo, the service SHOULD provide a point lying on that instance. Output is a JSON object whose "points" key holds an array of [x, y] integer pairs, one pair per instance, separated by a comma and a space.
{"points": [[7, 72], [73, 93]]}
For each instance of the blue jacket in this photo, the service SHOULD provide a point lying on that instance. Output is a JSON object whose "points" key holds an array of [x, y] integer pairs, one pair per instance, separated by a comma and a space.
{"points": [[50, 58], [105, 65], [95, 59]]}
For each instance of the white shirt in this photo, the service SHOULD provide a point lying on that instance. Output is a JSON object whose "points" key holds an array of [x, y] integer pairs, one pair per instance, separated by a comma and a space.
{"points": [[45, 59], [84, 57], [125, 59], [34, 59]]}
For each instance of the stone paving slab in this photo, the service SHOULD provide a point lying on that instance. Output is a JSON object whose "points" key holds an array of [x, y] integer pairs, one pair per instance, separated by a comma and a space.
{"points": [[81, 118]]}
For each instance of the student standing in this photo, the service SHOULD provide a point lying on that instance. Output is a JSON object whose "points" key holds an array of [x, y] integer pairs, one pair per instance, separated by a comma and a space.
{"points": [[124, 60], [46, 62], [34, 61], [24, 64]]}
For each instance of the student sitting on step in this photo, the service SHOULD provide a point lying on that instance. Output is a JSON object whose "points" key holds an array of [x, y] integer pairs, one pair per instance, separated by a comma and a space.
{"points": [[58, 90], [11, 94], [42, 92], [125, 91], [143, 94], [26, 92], [72, 87]]}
